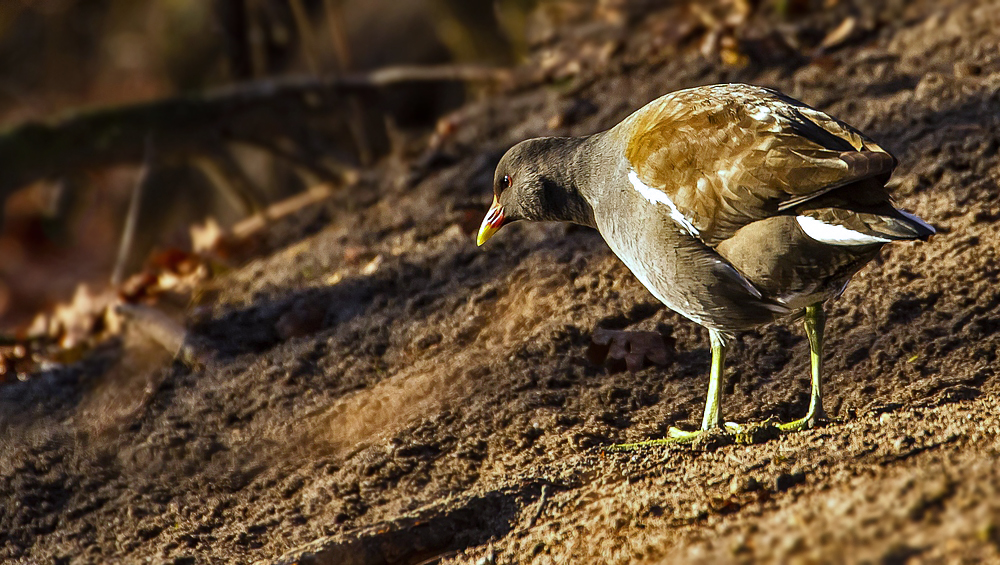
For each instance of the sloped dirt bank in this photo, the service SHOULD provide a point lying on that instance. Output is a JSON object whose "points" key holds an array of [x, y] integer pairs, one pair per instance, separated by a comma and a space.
{"points": [[443, 410]]}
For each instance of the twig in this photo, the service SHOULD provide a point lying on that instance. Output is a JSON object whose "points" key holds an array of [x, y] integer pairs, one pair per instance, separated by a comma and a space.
{"points": [[132, 217], [228, 176], [356, 116], [160, 328], [299, 160], [439, 557], [305, 35], [541, 506], [443, 73], [248, 226], [255, 39], [335, 21]]}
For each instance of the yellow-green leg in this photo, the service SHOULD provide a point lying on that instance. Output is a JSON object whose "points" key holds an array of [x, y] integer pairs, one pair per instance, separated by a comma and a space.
{"points": [[814, 320], [712, 417]]}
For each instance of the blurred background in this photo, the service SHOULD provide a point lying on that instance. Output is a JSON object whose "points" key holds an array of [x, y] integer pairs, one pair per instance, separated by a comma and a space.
{"points": [[63, 223], [59, 56]]}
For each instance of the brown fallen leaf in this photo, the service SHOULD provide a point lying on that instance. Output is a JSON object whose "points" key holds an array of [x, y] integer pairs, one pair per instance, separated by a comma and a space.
{"points": [[168, 273], [300, 320], [74, 323], [206, 237], [620, 349], [840, 34]]}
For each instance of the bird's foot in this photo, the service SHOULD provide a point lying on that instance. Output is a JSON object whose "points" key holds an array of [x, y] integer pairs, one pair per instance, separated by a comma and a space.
{"points": [[808, 422], [631, 350], [675, 436], [753, 432], [709, 439], [640, 445]]}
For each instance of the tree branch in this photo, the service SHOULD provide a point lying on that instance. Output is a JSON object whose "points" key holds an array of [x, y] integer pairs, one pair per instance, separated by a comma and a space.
{"points": [[248, 112]]}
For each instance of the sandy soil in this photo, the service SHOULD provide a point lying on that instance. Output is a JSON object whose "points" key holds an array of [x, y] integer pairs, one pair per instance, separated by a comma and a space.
{"points": [[439, 407]]}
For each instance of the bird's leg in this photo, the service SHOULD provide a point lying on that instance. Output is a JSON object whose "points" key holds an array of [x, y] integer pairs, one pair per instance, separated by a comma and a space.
{"points": [[711, 418], [814, 320]]}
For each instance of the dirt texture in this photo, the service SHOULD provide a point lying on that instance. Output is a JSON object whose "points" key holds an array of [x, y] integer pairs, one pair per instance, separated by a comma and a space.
{"points": [[383, 391]]}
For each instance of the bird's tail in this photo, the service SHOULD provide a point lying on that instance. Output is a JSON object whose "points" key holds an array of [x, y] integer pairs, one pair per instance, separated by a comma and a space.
{"points": [[861, 225], [913, 226]]}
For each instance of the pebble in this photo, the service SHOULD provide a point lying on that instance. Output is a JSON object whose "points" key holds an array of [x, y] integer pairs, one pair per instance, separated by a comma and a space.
{"points": [[743, 483], [901, 443], [786, 481]]}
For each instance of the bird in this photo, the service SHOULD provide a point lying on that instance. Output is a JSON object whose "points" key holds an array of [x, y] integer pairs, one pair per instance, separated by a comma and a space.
{"points": [[734, 205]]}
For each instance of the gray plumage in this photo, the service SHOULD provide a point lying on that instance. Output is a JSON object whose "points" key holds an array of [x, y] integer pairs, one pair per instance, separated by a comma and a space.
{"points": [[714, 197]]}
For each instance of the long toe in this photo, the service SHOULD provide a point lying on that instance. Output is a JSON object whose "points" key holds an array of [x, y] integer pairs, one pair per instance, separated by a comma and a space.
{"points": [[640, 445], [806, 423], [704, 439], [675, 436]]}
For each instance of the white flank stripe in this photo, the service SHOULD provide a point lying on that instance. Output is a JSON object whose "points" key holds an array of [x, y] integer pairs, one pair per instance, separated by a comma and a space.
{"points": [[655, 195], [834, 234]]}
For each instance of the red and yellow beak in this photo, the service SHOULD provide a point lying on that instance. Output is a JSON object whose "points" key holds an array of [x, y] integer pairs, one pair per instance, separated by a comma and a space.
{"points": [[491, 223]]}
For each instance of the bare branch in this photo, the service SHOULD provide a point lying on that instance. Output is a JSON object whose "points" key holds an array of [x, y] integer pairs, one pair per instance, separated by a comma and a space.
{"points": [[248, 112], [132, 218]]}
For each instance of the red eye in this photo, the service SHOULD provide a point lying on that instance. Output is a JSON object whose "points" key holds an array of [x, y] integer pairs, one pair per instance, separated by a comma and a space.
{"points": [[506, 181]]}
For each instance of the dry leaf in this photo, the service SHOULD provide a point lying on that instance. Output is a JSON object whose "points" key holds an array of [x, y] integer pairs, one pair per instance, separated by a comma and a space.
{"points": [[372, 266], [205, 238], [620, 349], [840, 34], [74, 323]]}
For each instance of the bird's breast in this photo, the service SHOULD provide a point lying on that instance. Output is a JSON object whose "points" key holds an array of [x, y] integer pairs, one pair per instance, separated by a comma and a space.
{"points": [[649, 243]]}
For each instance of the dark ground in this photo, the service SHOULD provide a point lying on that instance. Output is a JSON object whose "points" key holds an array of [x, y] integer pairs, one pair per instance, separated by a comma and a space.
{"points": [[444, 410]]}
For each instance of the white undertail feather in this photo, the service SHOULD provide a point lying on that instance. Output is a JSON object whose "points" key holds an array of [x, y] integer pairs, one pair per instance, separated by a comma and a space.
{"points": [[658, 196], [834, 234]]}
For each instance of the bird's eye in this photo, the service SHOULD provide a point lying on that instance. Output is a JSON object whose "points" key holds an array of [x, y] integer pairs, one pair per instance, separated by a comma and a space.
{"points": [[506, 181]]}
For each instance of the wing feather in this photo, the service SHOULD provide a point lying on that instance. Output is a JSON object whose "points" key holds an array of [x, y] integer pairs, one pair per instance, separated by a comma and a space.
{"points": [[730, 155]]}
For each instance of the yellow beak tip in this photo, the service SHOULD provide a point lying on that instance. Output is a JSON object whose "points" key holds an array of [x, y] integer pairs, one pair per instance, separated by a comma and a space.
{"points": [[491, 223], [484, 235]]}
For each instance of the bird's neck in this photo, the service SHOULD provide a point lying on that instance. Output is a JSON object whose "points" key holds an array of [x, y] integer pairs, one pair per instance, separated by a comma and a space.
{"points": [[570, 195]]}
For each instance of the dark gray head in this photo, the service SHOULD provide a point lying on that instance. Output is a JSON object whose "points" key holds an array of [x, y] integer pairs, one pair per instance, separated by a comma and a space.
{"points": [[536, 180]]}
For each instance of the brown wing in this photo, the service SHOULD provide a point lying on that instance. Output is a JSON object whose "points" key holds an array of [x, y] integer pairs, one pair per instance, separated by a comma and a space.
{"points": [[729, 155]]}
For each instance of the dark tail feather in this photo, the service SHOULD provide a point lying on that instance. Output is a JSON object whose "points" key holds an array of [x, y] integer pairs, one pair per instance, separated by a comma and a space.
{"points": [[921, 229], [892, 223]]}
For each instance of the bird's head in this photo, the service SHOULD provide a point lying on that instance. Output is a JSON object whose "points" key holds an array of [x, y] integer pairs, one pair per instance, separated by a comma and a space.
{"points": [[531, 183]]}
